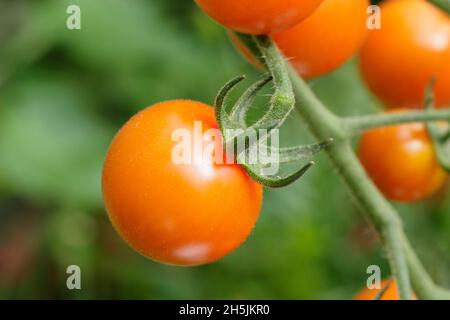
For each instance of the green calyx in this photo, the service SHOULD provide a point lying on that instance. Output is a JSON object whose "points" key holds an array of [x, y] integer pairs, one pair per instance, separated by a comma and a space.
{"points": [[249, 144]]}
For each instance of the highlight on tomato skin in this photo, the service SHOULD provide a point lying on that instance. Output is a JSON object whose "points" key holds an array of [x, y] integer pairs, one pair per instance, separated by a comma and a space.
{"points": [[263, 17], [327, 38], [401, 161], [399, 60], [181, 214]]}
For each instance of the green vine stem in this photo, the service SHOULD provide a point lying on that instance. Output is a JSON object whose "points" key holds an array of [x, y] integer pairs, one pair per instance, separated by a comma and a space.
{"points": [[423, 285], [283, 99], [436, 135], [405, 266], [355, 125], [323, 124]]}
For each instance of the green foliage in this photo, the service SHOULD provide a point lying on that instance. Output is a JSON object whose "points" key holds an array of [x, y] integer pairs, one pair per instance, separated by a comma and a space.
{"points": [[52, 144]]}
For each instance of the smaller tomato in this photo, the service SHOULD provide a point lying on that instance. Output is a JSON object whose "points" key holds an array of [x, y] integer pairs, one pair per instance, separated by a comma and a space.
{"points": [[327, 38], [401, 161], [258, 17], [391, 292]]}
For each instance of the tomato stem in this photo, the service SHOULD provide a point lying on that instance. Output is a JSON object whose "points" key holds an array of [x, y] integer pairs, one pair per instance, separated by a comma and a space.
{"points": [[379, 211], [435, 132], [283, 99]]}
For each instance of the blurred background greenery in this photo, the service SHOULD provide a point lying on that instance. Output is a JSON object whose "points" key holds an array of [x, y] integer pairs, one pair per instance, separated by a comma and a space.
{"points": [[63, 95]]}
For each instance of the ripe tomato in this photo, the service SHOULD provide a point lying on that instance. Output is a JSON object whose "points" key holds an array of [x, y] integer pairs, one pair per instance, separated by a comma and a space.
{"points": [[401, 161], [258, 17], [183, 214], [399, 60], [327, 38], [391, 292]]}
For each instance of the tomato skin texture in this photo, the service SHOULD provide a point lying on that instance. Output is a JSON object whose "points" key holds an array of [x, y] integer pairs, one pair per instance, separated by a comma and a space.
{"points": [[188, 214], [399, 61], [261, 17], [327, 38], [401, 161], [391, 292]]}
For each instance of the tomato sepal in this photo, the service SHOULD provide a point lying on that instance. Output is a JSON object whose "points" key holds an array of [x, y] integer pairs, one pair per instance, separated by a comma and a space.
{"points": [[240, 109], [296, 153], [222, 117], [282, 102], [276, 181]]}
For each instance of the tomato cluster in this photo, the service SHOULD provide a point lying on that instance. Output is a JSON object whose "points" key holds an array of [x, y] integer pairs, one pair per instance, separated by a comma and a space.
{"points": [[399, 60], [198, 212]]}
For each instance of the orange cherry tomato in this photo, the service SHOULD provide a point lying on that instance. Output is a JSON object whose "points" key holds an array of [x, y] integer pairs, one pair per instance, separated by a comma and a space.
{"points": [[187, 213], [413, 46], [401, 161], [258, 17], [327, 38], [391, 292]]}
